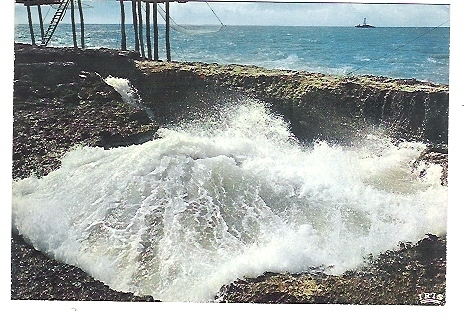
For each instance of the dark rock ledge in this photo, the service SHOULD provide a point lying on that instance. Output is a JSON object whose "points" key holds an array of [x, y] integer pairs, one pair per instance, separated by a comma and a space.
{"points": [[60, 100], [36, 277], [396, 277]]}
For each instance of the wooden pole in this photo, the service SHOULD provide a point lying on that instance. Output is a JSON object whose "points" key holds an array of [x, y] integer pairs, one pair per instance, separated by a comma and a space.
{"points": [[31, 29], [142, 47], [123, 26], [73, 25], [42, 31], [155, 32], [81, 16], [147, 21], [168, 45], [134, 22]]}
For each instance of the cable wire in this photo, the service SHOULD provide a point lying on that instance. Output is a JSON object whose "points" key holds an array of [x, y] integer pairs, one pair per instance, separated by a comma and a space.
{"points": [[215, 14]]}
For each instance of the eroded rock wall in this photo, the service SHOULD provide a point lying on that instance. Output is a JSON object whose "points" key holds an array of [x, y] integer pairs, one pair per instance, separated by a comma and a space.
{"points": [[316, 105]]}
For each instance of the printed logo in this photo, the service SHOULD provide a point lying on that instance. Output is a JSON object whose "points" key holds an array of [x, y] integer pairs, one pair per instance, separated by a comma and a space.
{"points": [[431, 297]]}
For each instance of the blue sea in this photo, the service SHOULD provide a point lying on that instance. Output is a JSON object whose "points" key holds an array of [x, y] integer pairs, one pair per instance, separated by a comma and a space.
{"points": [[420, 53]]}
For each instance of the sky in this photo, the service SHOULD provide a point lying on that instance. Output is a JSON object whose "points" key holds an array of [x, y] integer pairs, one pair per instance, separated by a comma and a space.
{"points": [[255, 13]]}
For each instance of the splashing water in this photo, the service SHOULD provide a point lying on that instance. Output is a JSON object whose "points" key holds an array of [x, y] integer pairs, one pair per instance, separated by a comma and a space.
{"points": [[124, 88], [212, 201], [128, 93]]}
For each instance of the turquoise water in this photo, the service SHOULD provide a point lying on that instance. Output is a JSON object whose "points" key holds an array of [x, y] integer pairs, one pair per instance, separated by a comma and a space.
{"points": [[420, 53]]}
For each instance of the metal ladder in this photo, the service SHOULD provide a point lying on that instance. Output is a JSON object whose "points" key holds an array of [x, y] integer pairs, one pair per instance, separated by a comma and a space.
{"points": [[59, 14]]}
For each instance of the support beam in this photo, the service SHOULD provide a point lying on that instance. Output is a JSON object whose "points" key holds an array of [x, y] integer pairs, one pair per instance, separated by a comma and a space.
{"points": [[31, 29], [123, 26], [168, 45], [134, 23], [42, 31], [147, 21], [81, 16], [142, 46], [73, 25], [155, 32]]}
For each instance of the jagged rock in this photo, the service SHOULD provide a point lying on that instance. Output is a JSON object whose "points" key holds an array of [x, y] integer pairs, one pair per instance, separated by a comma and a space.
{"points": [[433, 155], [36, 277], [57, 106], [316, 105], [394, 277]]}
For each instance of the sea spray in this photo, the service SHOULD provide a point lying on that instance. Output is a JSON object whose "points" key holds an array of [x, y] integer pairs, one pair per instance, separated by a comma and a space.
{"points": [[214, 200], [128, 93]]}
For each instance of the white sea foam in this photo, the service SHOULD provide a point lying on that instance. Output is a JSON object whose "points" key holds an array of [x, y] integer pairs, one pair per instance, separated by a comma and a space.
{"points": [[128, 93], [124, 88], [211, 201]]}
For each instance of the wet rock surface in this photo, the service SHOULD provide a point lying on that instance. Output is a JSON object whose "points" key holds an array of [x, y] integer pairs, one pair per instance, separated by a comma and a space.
{"points": [[396, 277], [61, 100], [437, 155], [36, 277], [318, 106], [56, 106]]}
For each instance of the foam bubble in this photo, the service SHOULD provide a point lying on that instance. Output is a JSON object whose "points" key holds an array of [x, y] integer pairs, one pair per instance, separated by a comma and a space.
{"points": [[222, 198]]}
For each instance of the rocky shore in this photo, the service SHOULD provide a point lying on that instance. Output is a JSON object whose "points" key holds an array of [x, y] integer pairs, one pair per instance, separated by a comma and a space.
{"points": [[58, 105], [396, 277], [61, 100]]}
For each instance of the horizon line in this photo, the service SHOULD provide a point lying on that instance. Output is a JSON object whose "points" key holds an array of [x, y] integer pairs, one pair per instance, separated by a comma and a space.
{"points": [[253, 25]]}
